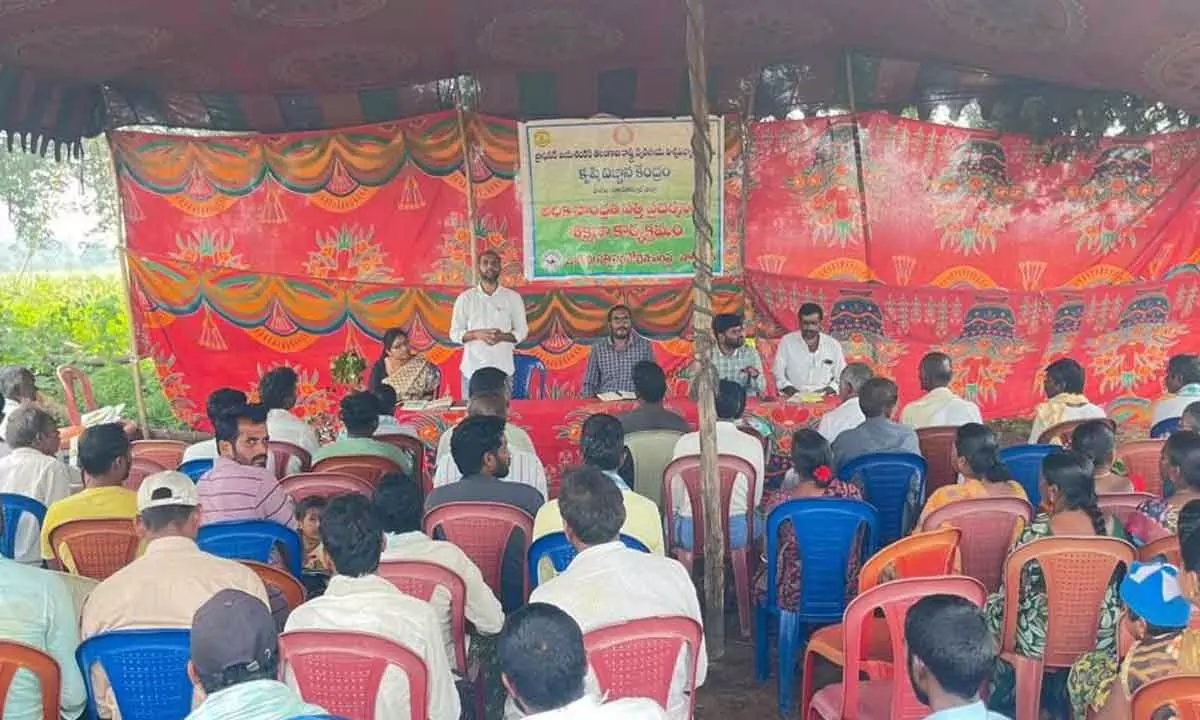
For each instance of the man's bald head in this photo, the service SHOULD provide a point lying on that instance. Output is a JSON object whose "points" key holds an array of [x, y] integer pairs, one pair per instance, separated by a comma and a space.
{"points": [[936, 371], [489, 404]]}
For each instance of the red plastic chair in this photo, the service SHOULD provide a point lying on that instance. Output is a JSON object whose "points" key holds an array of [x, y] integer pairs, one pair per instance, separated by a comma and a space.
{"points": [[281, 454], [1141, 457], [140, 469], [98, 547], [16, 656], [937, 447], [324, 484], [281, 580], [420, 579], [990, 526], [341, 670], [69, 375], [1078, 571], [167, 453], [1181, 692], [890, 698], [1122, 505], [1167, 547], [638, 658], [687, 468], [1060, 434], [416, 450], [482, 530], [367, 467]]}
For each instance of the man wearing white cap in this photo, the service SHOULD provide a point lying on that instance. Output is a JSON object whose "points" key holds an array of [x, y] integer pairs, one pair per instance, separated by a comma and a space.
{"points": [[172, 578]]}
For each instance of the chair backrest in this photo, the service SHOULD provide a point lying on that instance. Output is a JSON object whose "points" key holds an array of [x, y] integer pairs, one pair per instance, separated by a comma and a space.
{"points": [[1024, 463], [887, 481], [142, 468], [280, 453], [827, 532], [168, 453], [196, 469], [97, 547], [12, 507], [989, 525], [420, 579], [414, 448], [560, 552], [687, 468], [341, 670], [923, 554], [1060, 434], [524, 368], [69, 375], [1121, 505], [368, 467], [638, 658], [147, 670], [324, 484], [1078, 571], [937, 447], [16, 656], [894, 599], [652, 451], [251, 540], [1141, 458], [283, 581], [1164, 547], [482, 530], [1163, 428], [1179, 692]]}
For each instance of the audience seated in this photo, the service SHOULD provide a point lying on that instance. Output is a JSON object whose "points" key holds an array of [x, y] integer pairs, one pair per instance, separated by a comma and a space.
{"points": [[1180, 467], [106, 458], [608, 583], [524, 467], [18, 386], [1183, 388], [358, 599], [1096, 441], [848, 415], [359, 412], [1065, 400], [172, 578], [308, 522], [981, 472], [491, 381], [33, 469], [1190, 420], [398, 506], [730, 405], [235, 662], [603, 445], [544, 667], [385, 397], [939, 406], [878, 433], [950, 655], [221, 401], [277, 392], [239, 486], [650, 386]]}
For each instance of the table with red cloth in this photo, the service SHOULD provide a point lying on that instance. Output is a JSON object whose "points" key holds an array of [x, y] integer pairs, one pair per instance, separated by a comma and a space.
{"points": [[555, 426]]}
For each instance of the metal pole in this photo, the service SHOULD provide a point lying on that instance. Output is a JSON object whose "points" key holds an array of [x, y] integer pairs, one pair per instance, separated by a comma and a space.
{"points": [[465, 137]]}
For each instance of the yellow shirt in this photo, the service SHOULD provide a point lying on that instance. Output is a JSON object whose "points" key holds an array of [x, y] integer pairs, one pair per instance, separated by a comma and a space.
{"points": [[91, 504]]}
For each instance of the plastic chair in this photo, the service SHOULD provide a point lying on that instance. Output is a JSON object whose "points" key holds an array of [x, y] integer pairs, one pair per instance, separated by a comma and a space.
{"points": [[637, 658], [990, 525], [887, 480], [937, 447], [69, 375], [251, 540], [12, 507], [826, 530], [1164, 547], [281, 453], [324, 484], [652, 451], [97, 548], [524, 367], [196, 469], [1078, 571], [142, 468], [687, 468], [16, 656], [482, 530], [369, 468], [147, 670], [1180, 692], [1024, 463], [167, 453], [1163, 428], [341, 670], [1121, 505], [1060, 434], [560, 552], [1141, 458], [421, 579], [891, 697], [414, 448], [283, 581]]}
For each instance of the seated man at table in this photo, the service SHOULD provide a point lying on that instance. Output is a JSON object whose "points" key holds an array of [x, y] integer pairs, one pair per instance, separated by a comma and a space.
{"points": [[650, 386], [808, 360], [480, 451], [848, 415], [878, 433], [733, 359], [524, 467], [33, 469], [277, 390], [731, 404], [635, 584], [1065, 400], [490, 381], [940, 407], [239, 486], [359, 412], [611, 361], [220, 401], [1183, 388]]}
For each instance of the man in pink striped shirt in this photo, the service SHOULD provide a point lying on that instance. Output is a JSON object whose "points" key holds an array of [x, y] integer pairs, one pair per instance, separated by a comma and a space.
{"points": [[239, 486]]}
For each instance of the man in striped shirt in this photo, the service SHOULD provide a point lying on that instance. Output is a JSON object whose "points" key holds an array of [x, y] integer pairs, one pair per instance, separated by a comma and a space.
{"points": [[239, 486]]}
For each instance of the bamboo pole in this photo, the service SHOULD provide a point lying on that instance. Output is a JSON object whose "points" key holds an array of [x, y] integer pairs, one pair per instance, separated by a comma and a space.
{"points": [[465, 137], [702, 152], [127, 285], [864, 223], [746, 115]]}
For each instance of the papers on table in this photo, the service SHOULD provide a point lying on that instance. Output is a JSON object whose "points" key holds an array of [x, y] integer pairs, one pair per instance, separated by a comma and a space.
{"points": [[615, 396], [418, 405]]}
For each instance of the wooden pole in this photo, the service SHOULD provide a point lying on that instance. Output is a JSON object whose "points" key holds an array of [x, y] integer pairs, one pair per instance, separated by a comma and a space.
{"points": [[746, 115], [702, 153], [466, 167], [864, 223]]}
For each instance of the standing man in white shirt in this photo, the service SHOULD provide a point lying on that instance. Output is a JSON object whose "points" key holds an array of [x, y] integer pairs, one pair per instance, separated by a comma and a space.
{"points": [[849, 414], [939, 407], [808, 360], [33, 469], [489, 321]]}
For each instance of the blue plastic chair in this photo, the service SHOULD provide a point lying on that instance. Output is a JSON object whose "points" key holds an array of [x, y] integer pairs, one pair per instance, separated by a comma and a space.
{"points": [[886, 480], [825, 530], [196, 469], [146, 668], [251, 540], [1163, 428], [561, 552], [1024, 463], [12, 507], [524, 366]]}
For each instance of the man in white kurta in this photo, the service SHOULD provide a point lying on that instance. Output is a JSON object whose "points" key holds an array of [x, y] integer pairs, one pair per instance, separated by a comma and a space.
{"points": [[1065, 400], [489, 321], [1183, 388], [939, 407], [33, 470], [849, 414], [808, 360]]}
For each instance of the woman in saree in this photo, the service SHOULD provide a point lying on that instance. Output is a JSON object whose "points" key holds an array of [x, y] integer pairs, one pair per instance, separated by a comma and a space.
{"points": [[410, 375], [977, 459], [1180, 468]]}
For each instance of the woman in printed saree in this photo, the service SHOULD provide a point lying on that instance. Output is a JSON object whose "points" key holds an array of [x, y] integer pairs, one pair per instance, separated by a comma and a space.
{"points": [[1180, 468], [410, 375], [977, 459]]}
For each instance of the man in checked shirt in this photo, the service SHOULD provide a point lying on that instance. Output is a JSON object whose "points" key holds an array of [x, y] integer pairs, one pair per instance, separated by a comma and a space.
{"points": [[734, 359], [610, 364]]}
